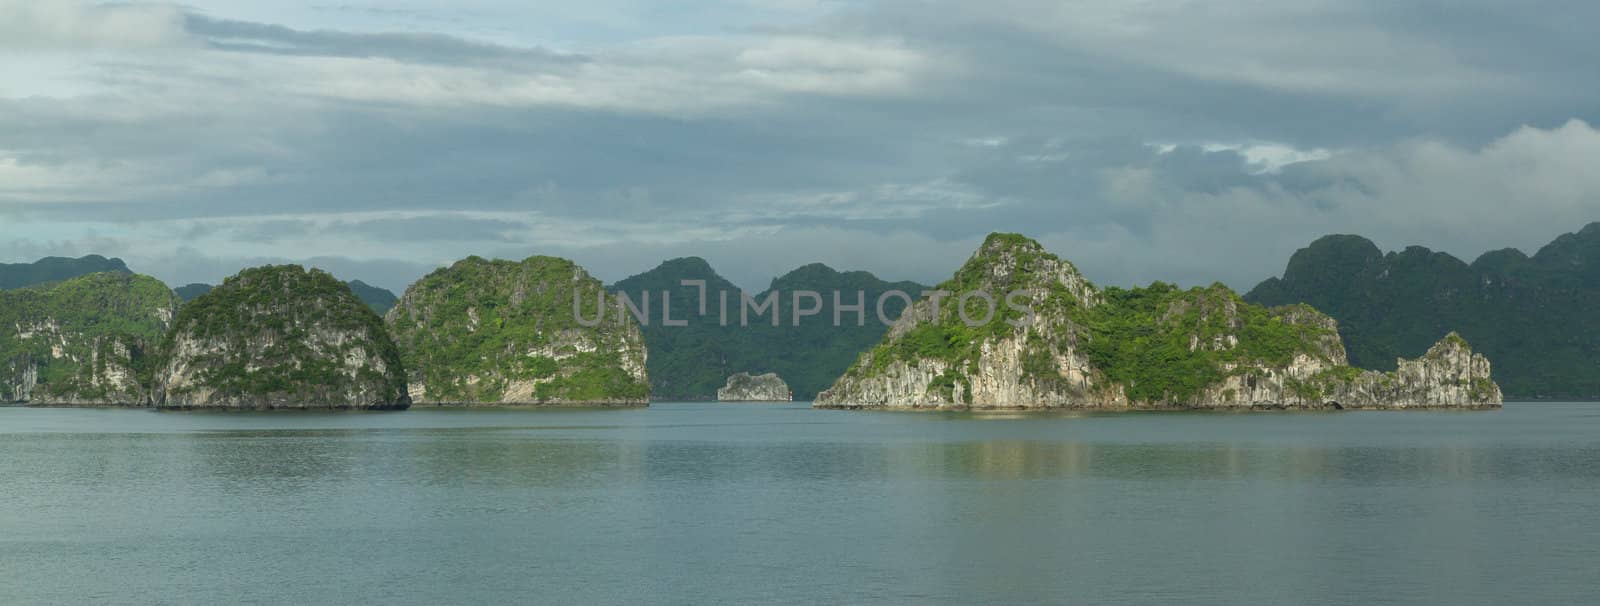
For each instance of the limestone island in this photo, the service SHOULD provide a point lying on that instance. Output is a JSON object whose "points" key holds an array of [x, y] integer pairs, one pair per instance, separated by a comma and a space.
{"points": [[744, 387], [506, 333], [1151, 348], [84, 341], [279, 337]]}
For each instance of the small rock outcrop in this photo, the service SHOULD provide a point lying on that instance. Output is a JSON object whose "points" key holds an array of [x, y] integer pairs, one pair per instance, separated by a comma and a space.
{"points": [[85, 341], [1054, 340], [505, 333], [279, 337], [744, 387]]}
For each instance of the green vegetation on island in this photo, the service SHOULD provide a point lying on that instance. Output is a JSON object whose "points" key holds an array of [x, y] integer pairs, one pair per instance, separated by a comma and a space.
{"points": [[1533, 316], [86, 340], [380, 300], [1053, 339], [279, 337], [498, 332]]}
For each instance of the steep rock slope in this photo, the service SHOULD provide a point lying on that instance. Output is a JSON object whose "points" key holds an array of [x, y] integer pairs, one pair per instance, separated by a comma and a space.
{"points": [[84, 341], [484, 332], [280, 337], [1063, 343]]}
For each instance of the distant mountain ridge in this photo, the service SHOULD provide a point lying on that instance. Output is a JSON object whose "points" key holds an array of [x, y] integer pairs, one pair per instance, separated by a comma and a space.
{"points": [[379, 299], [1533, 317], [692, 362], [56, 269]]}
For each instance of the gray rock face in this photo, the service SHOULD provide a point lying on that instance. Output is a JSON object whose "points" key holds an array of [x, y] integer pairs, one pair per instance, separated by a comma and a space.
{"points": [[530, 333], [1449, 375], [1154, 348], [83, 341], [744, 387], [280, 337]]}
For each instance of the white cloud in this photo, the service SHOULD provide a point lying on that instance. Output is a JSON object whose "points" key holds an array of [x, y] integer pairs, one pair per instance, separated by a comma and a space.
{"points": [[74, 25], [1521, 190], [1266, 157], [933, 123]]}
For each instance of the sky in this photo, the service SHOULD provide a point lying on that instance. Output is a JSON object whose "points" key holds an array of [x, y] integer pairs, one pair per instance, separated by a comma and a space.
{"points": [[1184, 141]]}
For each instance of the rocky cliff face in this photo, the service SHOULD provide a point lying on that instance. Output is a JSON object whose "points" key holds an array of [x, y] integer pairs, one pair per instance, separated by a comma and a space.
{"points": [[279, 337], [743, 387], [84, 341], [484, 332], [1147, 348]]}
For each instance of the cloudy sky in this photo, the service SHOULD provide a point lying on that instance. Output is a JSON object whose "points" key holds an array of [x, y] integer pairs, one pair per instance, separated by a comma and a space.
{"points": [[1175, 140]]}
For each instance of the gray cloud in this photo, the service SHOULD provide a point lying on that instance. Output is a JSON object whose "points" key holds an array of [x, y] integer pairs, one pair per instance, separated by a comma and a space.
{"points": [[247, 37], [889, 137]]}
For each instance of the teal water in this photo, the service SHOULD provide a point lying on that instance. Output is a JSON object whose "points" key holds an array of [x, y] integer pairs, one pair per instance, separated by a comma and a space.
{"points": [[725, 503]]}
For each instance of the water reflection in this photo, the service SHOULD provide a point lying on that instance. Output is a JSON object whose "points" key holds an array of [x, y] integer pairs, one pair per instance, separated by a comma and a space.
{"points": [[725, 504]]}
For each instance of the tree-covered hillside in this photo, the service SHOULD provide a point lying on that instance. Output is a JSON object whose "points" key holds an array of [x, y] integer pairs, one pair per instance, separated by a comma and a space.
{"points": [[1533, 317], [691, 362], [85, 340], [1048, 338], [497, 332], [379, 299], [279, 337]]}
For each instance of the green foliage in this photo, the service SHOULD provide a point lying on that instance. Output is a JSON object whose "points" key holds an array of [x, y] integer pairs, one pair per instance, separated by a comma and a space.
{"points": [[265, 329], [1481, 389], [380, 300], [1531, 316], [481, 319], [1161, 343], [78, 330]]}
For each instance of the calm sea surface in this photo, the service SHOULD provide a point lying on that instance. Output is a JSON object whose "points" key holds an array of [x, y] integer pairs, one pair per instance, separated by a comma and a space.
{"points": [[736, 503]]}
